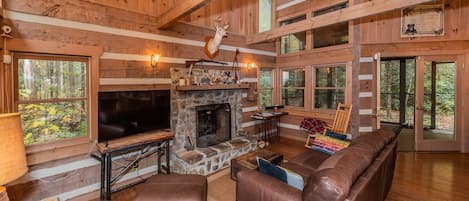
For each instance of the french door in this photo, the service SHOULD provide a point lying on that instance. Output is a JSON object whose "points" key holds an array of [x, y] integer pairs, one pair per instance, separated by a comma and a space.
{"points": [[437, 92]]}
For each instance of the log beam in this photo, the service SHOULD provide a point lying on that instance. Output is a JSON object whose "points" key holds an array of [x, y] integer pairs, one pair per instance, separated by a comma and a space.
{"points": [[351, 13], [178, 11]]}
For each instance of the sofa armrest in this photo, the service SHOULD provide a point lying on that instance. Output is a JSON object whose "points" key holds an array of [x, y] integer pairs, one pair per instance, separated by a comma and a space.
{"points": [[255, 186]]}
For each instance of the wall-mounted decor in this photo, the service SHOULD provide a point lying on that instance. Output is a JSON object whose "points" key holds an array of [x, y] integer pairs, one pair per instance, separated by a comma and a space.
{"points": [[423, 20]]}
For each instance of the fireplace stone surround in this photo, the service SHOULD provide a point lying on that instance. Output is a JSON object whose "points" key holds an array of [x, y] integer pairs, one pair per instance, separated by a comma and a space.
{"points": [[191, 158]]}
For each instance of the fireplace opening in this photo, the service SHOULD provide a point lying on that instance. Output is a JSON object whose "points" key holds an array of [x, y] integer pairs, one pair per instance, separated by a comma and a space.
{"points": [[213, 124]]}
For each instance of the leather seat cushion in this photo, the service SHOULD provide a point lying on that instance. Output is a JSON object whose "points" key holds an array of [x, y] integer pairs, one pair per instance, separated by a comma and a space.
{"points": [[173, 187], [310, 159]]}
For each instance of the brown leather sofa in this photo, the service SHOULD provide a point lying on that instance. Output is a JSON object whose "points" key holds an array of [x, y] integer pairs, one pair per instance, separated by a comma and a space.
{"points": [[363, 171]]}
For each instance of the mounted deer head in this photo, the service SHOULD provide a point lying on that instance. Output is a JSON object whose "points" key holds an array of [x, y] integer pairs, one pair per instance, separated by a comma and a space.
{"points": [[212, 43]]}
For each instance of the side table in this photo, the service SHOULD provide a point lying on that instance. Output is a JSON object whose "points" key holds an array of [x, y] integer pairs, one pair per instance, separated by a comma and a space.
{"points": [[142, 142]]}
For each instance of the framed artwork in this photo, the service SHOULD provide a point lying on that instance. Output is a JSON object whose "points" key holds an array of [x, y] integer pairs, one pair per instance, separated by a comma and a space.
{"points": [[423, 20]]}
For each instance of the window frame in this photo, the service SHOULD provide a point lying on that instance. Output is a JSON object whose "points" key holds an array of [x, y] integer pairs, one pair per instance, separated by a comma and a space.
{"points": [[295, 19], [42, 153], [281, 88], [87, 95], [272, 16], [274, 82], [346, 88]]}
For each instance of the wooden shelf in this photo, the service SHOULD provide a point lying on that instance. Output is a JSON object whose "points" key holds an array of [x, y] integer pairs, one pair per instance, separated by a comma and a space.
{"points": [[212, 87]]}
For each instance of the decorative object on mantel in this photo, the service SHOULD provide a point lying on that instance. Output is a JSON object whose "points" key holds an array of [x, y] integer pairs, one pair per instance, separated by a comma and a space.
{"points": [[423, 20], [13, 156], [212, 43]]}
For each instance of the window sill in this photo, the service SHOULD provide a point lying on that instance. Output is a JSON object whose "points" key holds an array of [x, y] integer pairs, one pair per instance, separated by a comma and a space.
{"points": [[45, 152], [327, 115]]}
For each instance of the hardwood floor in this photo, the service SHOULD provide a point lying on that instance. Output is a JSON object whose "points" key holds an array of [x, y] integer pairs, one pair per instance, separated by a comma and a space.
{"points": [[430, 176], [418, 176]]}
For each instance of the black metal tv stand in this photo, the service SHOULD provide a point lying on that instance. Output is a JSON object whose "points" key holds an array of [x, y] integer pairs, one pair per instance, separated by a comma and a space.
{"points": [[141, 142]]}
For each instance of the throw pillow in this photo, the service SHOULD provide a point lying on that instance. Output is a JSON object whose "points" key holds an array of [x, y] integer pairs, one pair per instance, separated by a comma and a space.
{"points": [[328, 145], [336, 135], [285, 175]]}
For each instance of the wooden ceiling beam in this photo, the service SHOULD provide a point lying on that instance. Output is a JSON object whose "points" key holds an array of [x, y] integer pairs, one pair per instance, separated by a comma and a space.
{"points": [[178, 11], [350, 13]]}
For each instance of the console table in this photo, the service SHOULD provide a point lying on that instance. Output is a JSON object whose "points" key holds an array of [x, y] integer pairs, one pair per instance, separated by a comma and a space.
{"points": [[141, 142], [270, 121]]}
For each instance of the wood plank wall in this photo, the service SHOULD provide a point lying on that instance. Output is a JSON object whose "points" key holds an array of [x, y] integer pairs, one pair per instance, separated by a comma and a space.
{"points": [[242, 14], [385, 28], [127, 39]]}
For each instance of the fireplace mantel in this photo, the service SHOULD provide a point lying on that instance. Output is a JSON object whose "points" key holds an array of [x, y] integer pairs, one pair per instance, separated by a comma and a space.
{"points": [[212, 87]]}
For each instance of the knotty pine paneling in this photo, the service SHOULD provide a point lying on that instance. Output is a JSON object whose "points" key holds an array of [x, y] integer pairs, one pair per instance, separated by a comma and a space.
{"points": [[329, 55], [305, 7], [385, 28], [88, 12]]}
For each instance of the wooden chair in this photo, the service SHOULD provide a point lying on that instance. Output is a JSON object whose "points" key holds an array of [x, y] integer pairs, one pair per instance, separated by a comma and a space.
{"points": [[340, 124]]}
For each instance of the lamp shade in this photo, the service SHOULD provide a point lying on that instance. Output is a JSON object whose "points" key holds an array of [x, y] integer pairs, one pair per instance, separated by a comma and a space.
{"points": [[12, 153]]}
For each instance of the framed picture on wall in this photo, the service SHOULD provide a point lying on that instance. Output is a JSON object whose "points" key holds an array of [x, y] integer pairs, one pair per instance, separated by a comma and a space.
{"points": [[423, 20]]}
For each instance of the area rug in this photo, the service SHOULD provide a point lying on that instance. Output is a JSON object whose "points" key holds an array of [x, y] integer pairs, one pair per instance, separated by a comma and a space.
{"points": [[221, 187]]}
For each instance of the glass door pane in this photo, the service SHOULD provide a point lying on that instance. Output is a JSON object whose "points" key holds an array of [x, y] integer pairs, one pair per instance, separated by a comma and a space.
{"points": [[439, 100]]}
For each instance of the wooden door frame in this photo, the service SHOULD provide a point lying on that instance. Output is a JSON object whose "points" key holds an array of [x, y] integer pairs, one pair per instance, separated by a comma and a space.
{"points": [[438, 145]]}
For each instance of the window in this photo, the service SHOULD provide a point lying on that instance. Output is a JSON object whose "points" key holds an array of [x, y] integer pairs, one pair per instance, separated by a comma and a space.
{"points": [[293, 87], [329, 89], [265, 15], [335, 34], [331, 35], [266, 86], [52, 94], [293, 42]]}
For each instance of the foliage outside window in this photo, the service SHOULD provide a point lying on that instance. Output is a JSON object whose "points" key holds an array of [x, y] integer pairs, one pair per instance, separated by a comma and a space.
{"points": [[52, 97], [397, 102], [331, 35], [266, 87], [294, 42], [329, 89], [293, 87], [265, 15]]}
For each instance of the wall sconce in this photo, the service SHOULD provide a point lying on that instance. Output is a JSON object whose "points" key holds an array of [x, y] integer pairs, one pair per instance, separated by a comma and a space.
{"points": [[154, 60], [251, 65]]}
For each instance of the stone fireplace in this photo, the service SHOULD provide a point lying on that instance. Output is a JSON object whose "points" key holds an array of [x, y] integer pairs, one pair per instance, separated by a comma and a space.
{"points": [[207, 127], [213, 124]]}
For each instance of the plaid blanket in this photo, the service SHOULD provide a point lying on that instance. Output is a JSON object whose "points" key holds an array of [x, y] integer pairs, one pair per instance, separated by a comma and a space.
{"points": [[313, 125]]}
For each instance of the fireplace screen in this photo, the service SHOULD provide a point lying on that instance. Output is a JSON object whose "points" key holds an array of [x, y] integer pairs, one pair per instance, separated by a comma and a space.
{"points": [[213, 124]]}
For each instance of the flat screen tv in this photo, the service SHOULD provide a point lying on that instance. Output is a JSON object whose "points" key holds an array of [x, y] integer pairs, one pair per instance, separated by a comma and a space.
{"points": [[126, 113]]}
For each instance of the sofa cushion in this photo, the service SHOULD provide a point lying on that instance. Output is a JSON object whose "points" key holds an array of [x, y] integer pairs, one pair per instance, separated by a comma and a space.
{"points": [[374, 141], [300, 169], [310, 159]]}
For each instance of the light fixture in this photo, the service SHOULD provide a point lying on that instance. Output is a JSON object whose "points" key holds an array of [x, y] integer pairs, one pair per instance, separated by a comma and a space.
{"points": [[154, 60], [251, 65], [13, 156]]}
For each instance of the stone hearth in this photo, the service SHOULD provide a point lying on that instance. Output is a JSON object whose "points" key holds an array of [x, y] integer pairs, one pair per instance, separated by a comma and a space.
{"points": [[186, 158]]}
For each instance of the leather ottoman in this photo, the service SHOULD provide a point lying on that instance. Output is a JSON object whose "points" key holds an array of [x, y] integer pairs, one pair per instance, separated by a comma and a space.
{"points": [[173, 187]]}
